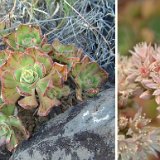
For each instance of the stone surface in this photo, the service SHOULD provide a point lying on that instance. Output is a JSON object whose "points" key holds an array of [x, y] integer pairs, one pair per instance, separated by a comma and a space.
{"points": [[84, 132], [4, 154]]}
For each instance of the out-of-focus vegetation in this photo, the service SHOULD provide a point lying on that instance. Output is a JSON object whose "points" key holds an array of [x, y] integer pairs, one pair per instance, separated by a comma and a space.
{"points": [[139, 104], [138, 20]]}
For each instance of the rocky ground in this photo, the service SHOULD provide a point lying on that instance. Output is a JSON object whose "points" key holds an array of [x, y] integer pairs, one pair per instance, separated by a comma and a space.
{"points": [[83, 132]]}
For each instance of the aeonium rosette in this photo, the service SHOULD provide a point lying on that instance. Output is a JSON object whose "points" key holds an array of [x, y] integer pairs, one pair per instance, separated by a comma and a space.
{"points": [[33, 75], [88, 77], [9, 125], [26, 36], [66, 53]]}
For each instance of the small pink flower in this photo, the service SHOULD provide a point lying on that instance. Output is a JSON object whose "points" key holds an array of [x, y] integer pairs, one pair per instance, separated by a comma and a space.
{"points": [[140, 70], [156, 54], [142, 50], [153, 84], [142, 58], [155, 67]]}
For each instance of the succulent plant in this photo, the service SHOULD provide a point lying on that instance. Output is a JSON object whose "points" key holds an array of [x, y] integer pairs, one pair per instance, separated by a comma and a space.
{"points": [[7, 133], [35, 74], [27, 36], [3, 56], [9, 123], [88, 77], [67, 54], [31, 72]]}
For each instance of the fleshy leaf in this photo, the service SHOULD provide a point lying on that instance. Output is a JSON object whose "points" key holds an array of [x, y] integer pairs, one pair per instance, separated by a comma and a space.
{"points": [[54, 79], [15, 122], [24, 90], [7, 131], [46, 61], [10, 95], [7, 109], [61, 48], [62, 69], [47, 48], [26, 60], [67, 54], [40, 69], [12, 62], [78, 67], [88, 77], [8, 134], [9, 92], [46, 104], [17, 74], [10, 41], [3, 56], [40, 58], [57, 78], [79, 94], [44, 84], [12, 143], [7, 80], [25, 36], [86, 59], [58, 92], [29, 102]]}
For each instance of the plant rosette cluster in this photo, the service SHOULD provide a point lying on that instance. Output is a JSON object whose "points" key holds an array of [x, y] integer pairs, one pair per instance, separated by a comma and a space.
{"points": [[27, 36], [30, 72], [143, 72], [137, 138], [138, 99], [9, 125], [36, 75]]}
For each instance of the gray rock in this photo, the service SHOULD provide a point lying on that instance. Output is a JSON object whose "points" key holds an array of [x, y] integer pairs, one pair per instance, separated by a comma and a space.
{"points": [[84, 132], [4, 153]]}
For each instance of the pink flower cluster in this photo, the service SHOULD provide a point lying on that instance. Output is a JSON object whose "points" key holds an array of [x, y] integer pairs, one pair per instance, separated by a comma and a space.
{"points": [[145, 70], [138, 77]]}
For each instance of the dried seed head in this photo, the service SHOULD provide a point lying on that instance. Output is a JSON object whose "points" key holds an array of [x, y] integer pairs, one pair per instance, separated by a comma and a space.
{"points": [[123, 122], [137, 124]]}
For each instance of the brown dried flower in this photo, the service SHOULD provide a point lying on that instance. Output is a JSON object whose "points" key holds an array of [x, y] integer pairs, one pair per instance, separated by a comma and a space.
{"points": [[140, 140], [137, 124], [122, 122]]}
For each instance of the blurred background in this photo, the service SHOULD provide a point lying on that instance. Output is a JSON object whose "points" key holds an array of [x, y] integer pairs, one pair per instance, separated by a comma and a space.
{"points": [[138, 21]]}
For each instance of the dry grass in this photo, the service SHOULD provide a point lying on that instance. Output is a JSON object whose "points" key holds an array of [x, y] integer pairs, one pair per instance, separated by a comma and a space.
{"points": [[87, 23]]}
